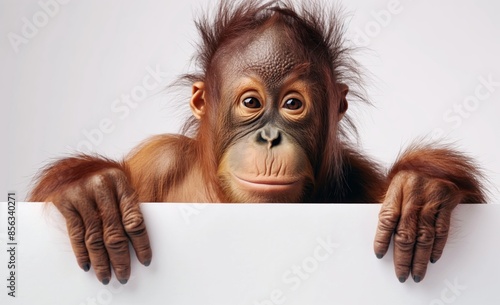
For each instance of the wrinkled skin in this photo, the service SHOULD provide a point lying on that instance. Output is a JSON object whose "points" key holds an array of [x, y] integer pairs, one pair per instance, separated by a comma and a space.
{"points": [[416, 212], [102, 217], [269, 163]]}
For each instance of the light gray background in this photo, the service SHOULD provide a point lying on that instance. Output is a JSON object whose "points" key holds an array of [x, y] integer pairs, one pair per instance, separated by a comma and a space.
{"points": [[426, 58]]}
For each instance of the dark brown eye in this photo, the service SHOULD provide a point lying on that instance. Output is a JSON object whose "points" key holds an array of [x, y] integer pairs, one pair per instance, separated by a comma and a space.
{"points": [[251, 102], [293, 104]]}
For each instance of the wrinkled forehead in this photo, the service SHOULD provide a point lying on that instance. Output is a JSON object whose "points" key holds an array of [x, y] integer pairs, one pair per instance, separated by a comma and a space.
{"points": [[269, 55]]}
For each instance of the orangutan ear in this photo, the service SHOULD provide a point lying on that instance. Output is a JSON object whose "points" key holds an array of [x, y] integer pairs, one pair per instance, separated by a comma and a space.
{"points": [[343, 105], [197, 102]]}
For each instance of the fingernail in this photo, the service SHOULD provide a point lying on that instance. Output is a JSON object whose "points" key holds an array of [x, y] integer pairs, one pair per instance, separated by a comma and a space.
{"points": [[105, 281], [123, 281], [402, 279], [417, 279], [86, 267], [379, 256], [147, 263], [433, 261]]}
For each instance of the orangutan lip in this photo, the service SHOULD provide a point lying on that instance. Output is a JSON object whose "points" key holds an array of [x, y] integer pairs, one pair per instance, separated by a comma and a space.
{"points": [[269, 182]]}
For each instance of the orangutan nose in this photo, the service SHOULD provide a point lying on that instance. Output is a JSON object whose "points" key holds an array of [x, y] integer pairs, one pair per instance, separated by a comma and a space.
{"points": [[269, 135]]}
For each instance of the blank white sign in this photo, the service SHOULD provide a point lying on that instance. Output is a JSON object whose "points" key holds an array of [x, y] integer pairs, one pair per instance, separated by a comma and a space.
{"points": [[255, 254]]}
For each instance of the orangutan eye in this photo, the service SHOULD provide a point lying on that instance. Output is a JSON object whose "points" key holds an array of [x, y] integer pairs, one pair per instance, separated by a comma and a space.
{"points": [[293, 104], [252, 102]]}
